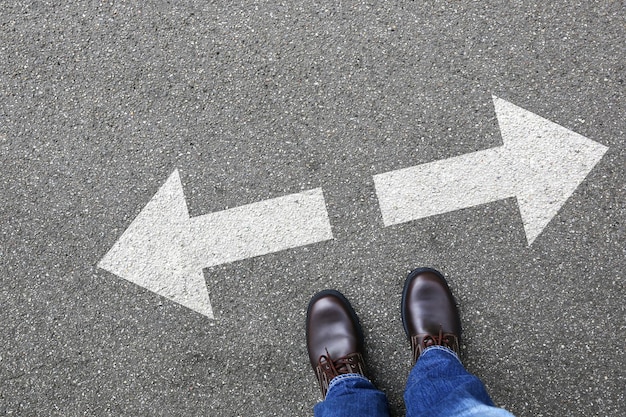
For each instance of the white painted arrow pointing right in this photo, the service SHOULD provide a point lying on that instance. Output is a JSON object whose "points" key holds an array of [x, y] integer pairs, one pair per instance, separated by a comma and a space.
{"points": [[540, 163]]}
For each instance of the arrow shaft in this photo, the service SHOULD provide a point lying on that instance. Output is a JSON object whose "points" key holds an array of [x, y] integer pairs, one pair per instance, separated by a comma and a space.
{"points": [[443, 186], [259, 228]]}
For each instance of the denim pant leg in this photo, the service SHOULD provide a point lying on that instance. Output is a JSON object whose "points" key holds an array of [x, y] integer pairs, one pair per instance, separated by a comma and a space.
{"points": [[439, 385], [352, 395]]}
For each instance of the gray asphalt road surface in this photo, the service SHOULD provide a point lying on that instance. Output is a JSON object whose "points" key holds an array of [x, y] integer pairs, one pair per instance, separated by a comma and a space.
{"points": [[101, 101]]}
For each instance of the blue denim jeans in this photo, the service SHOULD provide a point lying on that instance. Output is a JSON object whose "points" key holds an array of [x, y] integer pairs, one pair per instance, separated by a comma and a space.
{"points": [[438, 385]]}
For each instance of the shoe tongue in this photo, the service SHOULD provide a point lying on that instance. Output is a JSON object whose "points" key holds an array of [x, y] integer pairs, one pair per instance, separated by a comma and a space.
{"points": [[340, 365]]}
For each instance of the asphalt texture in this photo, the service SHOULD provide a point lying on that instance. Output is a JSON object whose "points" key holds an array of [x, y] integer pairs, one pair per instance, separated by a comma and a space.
{"points": [[100, 101]]}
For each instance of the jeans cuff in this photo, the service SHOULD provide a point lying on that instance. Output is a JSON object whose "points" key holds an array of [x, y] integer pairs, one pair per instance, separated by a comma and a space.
{"points": [[339, 378], [443, 349]]}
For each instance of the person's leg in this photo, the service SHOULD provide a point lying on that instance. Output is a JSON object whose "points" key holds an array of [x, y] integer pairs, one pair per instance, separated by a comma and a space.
{"points": [[438, 385], [352, 396], [335, 347]]}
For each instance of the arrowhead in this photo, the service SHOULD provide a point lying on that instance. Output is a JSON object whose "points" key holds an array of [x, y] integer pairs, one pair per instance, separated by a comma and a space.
{"points": [[153, 251], [548, 162]]}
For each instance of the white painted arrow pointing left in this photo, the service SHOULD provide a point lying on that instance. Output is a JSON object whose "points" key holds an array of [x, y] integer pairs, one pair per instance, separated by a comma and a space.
{"points": [[164, 250]]}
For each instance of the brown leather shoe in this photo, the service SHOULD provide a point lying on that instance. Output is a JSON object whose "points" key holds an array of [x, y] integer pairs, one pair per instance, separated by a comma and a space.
{"points": [[334, 337], [429, 312]]}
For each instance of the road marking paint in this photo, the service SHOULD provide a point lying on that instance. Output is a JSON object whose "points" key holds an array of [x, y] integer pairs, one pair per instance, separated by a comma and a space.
{"points": [[164, 250], [541, 163]]}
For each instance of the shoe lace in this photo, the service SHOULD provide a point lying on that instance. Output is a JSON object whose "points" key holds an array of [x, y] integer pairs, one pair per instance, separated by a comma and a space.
{"points": [[422, 341], [342, 365], [328, 368]]}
